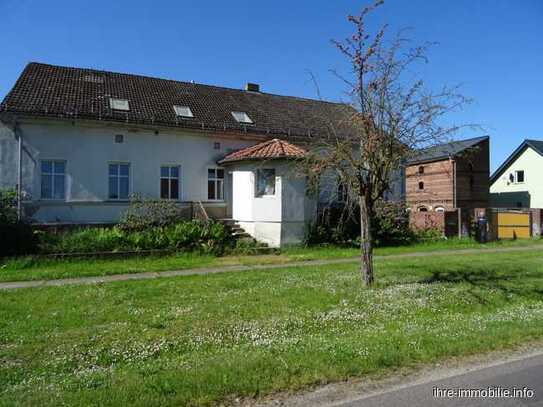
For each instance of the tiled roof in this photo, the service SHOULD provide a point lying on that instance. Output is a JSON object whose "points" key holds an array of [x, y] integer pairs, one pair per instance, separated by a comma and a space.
{"points": [[444, 151], [62, 92], [271, 149]]}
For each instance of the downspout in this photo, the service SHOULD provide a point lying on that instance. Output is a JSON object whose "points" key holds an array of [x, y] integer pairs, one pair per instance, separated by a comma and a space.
{"points": [[19, 174], [454, 182]]}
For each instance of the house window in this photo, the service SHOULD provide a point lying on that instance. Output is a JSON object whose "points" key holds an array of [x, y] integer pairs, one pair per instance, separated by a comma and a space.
{"points": [[265, 182], [242, 117], [119, 138], [53, 173], [119, 104], [421, 185], [423, 209], [421, 170], [215, 184], [439, 209], [169, 182], [217, 145], [119, 181], [183, 111], [519, 176]]}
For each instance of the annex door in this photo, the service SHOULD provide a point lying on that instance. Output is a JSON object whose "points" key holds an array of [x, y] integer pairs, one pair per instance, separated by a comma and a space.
{"points": [[242, 195]]}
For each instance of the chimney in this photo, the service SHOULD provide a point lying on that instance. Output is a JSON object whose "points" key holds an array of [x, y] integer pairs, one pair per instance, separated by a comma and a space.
{"points": [[252, 87]]}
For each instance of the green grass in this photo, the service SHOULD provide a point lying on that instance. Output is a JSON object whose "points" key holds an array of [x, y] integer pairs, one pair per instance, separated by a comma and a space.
{"points": [[27, 268], [201, 339]]}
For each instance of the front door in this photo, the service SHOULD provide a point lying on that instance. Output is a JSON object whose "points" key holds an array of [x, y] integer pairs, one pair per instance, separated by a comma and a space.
{"points": [[242, 195]]}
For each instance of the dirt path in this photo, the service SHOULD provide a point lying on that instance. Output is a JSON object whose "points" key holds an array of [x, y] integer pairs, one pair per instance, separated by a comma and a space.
{"points": [[225, 269]]}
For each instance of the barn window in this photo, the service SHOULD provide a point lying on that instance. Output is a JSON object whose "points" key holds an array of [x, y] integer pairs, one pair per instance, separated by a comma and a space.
{"points": [[422, 209], [421, 185], [421, 169]]}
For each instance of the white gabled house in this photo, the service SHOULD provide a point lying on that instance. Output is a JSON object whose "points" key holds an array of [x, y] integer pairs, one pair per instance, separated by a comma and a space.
{"points": [[517, 182], [79, 142]]}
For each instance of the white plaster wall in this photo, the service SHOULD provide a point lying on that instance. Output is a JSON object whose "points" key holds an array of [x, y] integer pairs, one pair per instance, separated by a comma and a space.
{"points": [[532, 163], [243, 196], [276, 220], [87, 150]]}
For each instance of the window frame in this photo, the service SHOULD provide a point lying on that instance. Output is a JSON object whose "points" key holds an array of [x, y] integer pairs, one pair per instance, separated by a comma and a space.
{"points": [[169, 178], [245, 114], [119, 176], [523, 177], [52, 174], [216, 180], [264, 195], [120, 102], [177, 113]]}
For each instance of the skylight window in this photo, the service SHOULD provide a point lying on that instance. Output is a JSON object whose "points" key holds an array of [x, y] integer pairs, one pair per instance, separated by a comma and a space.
{"points": [[119, 104], [183, 111], [242, 117]]}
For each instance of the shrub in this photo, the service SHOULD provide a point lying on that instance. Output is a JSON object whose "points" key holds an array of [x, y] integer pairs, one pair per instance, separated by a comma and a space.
{"points": [[16, 237], [206, 237], [390, 226], [143, 213]]}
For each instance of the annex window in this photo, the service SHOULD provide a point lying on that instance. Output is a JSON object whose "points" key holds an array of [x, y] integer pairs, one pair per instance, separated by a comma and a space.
{"points": [[169, 182], [119, 181], [53, 175], [519, 176], [183, 111], [421, 185], [119, 104], [215, 184], [265, 182], [242, 117]]}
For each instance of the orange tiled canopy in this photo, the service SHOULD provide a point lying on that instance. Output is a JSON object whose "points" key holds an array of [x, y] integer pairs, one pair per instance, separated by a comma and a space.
{"points": [[271, 149]]}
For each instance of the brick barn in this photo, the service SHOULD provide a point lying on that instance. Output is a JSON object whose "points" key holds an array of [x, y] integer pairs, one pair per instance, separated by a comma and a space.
{"points": [[448, 176]]}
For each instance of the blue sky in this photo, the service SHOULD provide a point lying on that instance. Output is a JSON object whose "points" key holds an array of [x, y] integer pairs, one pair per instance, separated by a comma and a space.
{"points": [[493, 48]]}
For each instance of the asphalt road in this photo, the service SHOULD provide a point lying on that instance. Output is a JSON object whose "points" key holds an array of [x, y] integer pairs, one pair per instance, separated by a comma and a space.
{"points": [[523, 373]]}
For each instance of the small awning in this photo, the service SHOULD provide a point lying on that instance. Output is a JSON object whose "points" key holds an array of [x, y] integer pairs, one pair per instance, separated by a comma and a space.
{"points": [[271, 149]]}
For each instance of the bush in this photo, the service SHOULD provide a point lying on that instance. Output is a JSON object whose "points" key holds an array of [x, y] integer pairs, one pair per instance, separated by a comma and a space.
{"points": [[391, 224], [144, 213], [206, 237], [16, 237], [390, 227]]}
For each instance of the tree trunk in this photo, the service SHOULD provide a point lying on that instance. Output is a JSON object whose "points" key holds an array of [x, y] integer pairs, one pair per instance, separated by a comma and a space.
{"points": [[366, 243]]}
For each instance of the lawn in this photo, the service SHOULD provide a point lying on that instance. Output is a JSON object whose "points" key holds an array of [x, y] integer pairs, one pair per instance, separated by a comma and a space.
{"points": [[202, 339], [28, 268]]}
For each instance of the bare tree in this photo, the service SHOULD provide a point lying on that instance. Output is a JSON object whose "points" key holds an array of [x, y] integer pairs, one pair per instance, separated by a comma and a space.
{"points": [[391, 117]]}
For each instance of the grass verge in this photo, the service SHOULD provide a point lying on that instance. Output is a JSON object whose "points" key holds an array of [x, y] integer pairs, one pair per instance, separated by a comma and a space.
{"points": [[29, 268], [200, 339]]}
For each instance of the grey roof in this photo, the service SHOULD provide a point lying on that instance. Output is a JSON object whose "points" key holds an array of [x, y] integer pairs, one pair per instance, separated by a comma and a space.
{"points": [[77, 93], [536, 145], [444, 151]]}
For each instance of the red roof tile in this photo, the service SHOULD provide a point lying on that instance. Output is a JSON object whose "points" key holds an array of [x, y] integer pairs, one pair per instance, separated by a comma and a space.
{"points": [[271, 149]]}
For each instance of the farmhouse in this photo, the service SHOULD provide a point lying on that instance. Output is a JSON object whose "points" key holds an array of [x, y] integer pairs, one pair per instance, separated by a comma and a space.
{"points": [[449, 176], [79, 142], [517, 182]]}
